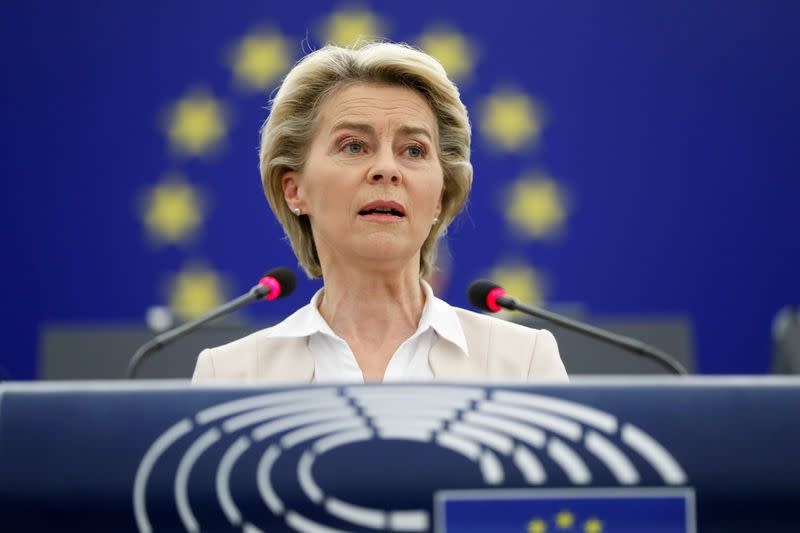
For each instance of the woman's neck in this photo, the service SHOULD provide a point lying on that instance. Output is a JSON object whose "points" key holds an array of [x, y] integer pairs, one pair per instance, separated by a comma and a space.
{"points": [[374, 312]]}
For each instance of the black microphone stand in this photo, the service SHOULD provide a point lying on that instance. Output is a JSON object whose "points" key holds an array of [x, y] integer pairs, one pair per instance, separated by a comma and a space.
{"points": [[627, 343], [156, 343]]}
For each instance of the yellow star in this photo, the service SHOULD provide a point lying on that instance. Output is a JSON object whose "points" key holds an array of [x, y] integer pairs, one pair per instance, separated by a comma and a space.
{"points": [[536, 205], [172, 210], [593, 525], [259, 59], [194, 291], [451, 49], [196, 123], [351, 24], [537, 526], [520, 281], [565, 520], [511, 119]]}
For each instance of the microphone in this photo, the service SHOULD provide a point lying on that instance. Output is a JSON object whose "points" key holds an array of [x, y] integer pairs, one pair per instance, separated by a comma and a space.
{"points": [[275, 284], [489, 296]]}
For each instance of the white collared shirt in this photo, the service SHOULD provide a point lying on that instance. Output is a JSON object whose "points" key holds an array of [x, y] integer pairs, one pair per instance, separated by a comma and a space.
{"points": [[334, 360]]}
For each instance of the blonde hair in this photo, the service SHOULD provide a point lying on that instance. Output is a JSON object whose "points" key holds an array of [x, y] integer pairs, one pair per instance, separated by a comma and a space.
{"points": [[288, 131]]}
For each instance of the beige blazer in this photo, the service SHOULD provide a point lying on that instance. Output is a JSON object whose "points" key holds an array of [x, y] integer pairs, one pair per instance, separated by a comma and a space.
{"points": [[498, 350]]}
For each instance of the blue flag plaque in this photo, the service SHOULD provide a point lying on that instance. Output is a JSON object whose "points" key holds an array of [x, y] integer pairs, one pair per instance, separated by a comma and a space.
{"points": [[589, 510]]}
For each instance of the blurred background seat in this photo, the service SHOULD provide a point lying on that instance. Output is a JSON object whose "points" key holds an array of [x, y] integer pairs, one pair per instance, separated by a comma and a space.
{"points": [[786, 341]]}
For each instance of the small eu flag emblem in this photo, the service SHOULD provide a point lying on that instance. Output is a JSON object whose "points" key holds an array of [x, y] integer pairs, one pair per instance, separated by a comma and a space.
{"points": [[596, 510]]}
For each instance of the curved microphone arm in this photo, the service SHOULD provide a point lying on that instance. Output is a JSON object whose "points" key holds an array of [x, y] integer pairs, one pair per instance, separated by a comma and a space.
{"points": [[156, 343], [621, 341]]}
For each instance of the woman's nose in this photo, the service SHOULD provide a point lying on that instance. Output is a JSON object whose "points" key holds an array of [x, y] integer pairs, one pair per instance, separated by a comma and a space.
{"points": [[385, 169]]}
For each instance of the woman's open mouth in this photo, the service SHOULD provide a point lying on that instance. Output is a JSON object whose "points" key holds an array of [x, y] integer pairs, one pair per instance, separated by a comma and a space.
{"points": [[382, 211]]}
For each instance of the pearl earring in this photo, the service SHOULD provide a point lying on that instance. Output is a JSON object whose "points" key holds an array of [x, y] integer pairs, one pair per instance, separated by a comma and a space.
{"points": [[435, 221], [297, 211]]}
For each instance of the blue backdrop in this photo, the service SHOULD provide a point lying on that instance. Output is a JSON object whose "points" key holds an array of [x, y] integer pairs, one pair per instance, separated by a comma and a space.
{"points": [[636, 158]]}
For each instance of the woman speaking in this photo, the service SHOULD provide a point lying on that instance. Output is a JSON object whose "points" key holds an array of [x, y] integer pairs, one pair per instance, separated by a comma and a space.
{"points": [[365, 162]]}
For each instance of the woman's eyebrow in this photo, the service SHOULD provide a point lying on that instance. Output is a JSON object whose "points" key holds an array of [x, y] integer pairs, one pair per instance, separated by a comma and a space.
{"points": [[357, 126], [415, 130]]}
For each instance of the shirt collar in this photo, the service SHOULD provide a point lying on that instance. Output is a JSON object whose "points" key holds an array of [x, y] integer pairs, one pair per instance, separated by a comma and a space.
{"points": [[304, 322], [439, 315], [436, 314]]}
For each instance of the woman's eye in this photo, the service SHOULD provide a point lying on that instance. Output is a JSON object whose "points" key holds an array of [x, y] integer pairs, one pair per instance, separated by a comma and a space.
{"points": [[353, 147], [415, 151]]}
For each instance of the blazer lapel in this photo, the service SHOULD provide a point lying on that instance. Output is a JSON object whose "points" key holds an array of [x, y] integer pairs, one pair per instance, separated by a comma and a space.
{"points": [[286, 359], [449, 362]]}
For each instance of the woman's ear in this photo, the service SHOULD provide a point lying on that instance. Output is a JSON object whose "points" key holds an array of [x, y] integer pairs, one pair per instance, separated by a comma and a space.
{"points": [[291, 191], [438, 210]]}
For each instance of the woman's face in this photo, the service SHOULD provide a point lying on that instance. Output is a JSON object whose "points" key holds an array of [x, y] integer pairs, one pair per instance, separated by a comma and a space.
{"points": [[372, 184]]}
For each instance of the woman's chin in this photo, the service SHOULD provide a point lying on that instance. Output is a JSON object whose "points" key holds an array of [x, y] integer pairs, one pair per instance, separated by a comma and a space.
{"points": [[390, 252]]}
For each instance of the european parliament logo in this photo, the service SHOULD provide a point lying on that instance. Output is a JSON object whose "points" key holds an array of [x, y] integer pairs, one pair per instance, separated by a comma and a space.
{"points": [[349, 458]]}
